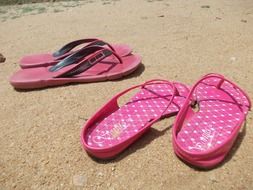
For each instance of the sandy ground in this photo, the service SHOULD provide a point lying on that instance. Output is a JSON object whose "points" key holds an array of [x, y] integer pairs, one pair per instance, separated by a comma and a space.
{"points": [[177, 39]]}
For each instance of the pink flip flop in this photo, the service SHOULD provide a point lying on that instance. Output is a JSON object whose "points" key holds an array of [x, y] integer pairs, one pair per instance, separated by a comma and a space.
{"points": [[114, 128], [203, 137], [91, 64], [48, 59]]}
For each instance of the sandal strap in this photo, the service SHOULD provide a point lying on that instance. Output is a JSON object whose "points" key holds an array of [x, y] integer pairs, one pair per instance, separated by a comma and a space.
{"points": [[68, 47], [222, 80], [151, 82], [83, 60]]}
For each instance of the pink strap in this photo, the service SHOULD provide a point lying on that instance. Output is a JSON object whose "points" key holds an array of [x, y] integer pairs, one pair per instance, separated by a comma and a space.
{"points": [[150, 82], [210, 75]]}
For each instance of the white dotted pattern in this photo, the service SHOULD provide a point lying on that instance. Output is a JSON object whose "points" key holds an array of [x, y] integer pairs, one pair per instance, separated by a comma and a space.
{"points": [[128, 120], [217, 117]]}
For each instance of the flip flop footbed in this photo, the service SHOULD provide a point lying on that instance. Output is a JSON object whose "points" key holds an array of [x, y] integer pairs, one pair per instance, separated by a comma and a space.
{"points": [[218, 116], [216, 122], [131, 119]]}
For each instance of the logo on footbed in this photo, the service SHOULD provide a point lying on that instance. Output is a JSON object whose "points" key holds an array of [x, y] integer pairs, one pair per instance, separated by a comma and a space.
{"points": [[117, 130], [206, 140], [113, 133]]}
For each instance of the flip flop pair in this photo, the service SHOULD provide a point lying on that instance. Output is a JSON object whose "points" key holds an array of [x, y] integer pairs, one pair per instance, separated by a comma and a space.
{"points": [[96, 61], [201, 137]]}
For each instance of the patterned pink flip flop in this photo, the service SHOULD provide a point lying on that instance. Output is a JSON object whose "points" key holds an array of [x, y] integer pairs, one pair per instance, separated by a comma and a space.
{"points": [[203, 137], [48, 59], [114, 128]]}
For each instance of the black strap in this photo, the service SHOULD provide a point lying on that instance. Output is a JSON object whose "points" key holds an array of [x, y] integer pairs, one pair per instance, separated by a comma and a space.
{"points": [[68, 47], [75, 58], [100, 43], [90, 62]]}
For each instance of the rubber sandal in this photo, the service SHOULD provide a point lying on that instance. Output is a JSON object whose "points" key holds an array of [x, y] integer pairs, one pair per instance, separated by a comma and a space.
{"points": [[112, 128], [87, 65], [48, 59], [210, 120]]}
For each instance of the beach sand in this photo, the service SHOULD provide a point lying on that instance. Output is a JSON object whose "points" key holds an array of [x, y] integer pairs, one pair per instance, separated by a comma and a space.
{"points": [[178, 40]]}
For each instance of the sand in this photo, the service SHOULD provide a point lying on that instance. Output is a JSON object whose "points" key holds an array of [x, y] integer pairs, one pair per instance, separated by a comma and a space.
{"points": [[178, 40]]}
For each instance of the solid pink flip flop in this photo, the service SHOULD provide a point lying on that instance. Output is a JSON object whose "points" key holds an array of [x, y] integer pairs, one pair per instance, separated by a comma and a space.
{"points": [[112, 128], [91, 64], [48, 59], [210, 120]]}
